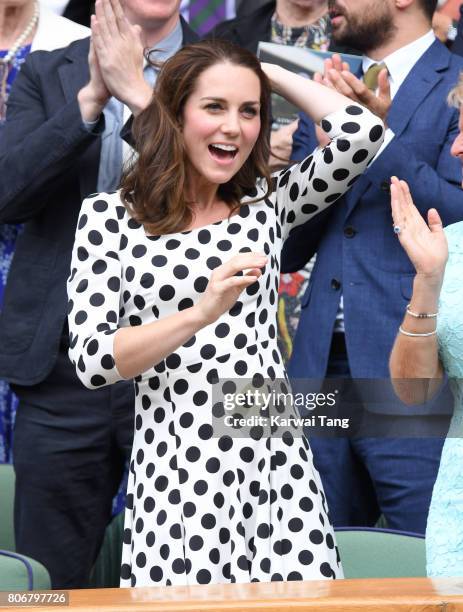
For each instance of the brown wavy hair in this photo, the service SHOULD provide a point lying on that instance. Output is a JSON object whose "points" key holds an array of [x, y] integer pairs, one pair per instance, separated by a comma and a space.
{"points": [[154, 186]]}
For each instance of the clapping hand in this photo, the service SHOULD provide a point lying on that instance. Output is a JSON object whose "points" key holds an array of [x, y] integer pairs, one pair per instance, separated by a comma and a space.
{"points": [[331, 63], [425, 244], [119, 50], [338, 75]]}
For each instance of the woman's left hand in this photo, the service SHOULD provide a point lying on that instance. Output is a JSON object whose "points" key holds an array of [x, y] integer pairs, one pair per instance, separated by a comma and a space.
{"points": [[425, 244]]}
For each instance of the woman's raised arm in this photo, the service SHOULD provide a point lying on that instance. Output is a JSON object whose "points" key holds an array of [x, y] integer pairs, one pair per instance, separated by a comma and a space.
{"points": [[354, 137], [314, 99], [416, 370]]}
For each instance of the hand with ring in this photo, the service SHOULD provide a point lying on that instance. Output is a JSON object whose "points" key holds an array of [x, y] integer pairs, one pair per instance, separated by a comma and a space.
{"points": [[424, 243]]}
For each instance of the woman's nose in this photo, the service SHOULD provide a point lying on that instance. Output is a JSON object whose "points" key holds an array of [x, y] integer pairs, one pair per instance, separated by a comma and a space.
{"points": [[231, 124]]}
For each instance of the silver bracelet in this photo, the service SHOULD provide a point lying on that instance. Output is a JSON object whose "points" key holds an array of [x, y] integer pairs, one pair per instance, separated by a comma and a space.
{"points": [[406, 333], [421, 315]]}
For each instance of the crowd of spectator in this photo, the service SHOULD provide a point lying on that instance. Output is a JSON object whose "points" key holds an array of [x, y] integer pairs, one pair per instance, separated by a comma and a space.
{"points": [[73, 75]]}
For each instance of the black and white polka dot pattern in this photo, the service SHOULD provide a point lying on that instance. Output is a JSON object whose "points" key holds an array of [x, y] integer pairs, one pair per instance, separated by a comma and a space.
{"points": [[202, 509]]}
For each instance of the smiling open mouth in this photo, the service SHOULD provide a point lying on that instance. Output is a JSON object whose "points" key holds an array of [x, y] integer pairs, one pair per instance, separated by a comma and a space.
{"points": [[222, 151]]}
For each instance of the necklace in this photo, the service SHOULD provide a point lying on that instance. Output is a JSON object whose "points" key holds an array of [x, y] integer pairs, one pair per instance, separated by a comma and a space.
{"points": [[9, 57]]}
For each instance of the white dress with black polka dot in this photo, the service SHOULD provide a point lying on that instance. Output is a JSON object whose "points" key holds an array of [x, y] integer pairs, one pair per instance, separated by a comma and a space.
{"points": [[203, 508]]}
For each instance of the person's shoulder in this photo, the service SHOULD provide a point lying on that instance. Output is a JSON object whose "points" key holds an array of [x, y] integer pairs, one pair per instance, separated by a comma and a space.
{"points": [[47, 62], [455, 60], [71, 31], [226, 28], [72, 50], [443, 59], [189, 36], [108, 203], [56, 32], [456, 66]]}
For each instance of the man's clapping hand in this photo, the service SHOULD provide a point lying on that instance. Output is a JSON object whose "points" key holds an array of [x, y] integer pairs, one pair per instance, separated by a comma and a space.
{"points": [[93, 97], [338, 75], [115, 63], [119, 49]]}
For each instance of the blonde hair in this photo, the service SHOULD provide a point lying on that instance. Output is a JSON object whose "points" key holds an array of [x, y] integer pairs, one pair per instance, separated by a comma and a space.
{"points": [[455, 97]]}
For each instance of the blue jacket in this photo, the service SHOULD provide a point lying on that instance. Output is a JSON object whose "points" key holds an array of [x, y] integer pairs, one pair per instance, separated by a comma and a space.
{"points": [[358, 254], [457, 46]]}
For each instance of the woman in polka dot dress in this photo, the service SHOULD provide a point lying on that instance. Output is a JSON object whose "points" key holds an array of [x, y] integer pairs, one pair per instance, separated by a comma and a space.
{"points": [[174, 283]]}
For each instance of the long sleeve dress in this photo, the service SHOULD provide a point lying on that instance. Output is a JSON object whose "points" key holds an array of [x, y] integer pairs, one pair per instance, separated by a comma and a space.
{"points": [[444, 530], [204, 505]]}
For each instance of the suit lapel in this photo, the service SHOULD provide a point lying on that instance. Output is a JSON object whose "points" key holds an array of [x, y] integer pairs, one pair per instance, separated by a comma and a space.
{"points": [[423, 77], [73, 76], [74, 73]]}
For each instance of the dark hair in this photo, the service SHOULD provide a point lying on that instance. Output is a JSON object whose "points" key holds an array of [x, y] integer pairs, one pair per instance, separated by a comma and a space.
{"points": [[428, 7], [154, 187]]}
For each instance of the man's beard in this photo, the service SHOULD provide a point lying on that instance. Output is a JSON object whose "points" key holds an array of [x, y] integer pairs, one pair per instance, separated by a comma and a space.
{"points": [[368, 31]]}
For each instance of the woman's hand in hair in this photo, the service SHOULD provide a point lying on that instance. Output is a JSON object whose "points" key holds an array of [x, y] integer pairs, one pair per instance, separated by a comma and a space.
{"points": [[226, 284]]}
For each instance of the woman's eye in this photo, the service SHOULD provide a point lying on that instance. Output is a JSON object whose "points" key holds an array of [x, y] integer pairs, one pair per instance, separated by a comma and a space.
{"points": [[213, 106], [250, 111]]}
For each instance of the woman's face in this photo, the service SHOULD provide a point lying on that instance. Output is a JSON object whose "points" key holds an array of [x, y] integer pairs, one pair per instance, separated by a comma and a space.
{"points": [[457, 147], [221, 122]]}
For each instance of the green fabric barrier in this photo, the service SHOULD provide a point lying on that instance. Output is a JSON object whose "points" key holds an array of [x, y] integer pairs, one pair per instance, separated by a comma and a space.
{"points": [[381, 554], [6, 507], [17, 572], [20, 573], [365, 553]]}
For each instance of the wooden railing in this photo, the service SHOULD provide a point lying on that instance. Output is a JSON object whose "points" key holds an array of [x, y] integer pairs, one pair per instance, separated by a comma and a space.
{"points": [[414, 594]]}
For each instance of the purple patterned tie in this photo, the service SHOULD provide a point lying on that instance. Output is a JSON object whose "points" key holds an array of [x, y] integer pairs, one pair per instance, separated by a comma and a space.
{"points": [[205, 14]]}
